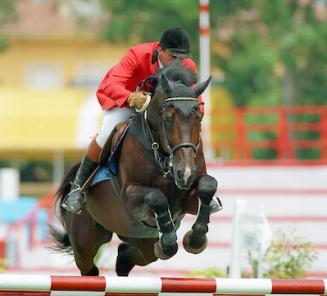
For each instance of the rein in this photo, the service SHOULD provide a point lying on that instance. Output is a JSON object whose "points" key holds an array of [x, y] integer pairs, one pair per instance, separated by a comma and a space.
{"points": [[164, 163]]}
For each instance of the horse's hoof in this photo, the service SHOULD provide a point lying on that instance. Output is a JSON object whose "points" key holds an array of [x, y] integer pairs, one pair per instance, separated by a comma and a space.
{"points": [[93, 272], [162, 254], [194, 249]]}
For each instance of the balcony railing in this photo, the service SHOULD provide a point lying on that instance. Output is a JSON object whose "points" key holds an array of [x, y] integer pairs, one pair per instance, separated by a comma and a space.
{"points": [[278, 132]]}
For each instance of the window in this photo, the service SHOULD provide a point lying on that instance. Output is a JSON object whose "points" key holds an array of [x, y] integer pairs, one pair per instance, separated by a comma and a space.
{"points": [[90, 74], [43, 75]]}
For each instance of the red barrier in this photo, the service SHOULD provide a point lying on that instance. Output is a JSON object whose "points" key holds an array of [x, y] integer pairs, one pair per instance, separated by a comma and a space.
{"points": [[103, 285]]}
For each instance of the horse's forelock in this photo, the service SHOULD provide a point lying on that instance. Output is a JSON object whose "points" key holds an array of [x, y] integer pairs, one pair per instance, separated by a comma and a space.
{"points": [[181, 80], [176, 72]]}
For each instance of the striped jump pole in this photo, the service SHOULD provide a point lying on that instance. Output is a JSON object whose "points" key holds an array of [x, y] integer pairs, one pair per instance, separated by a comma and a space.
{"points": [[36, 285]]}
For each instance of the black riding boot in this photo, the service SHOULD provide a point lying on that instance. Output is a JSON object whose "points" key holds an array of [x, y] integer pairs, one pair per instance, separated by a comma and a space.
{"points": [[73, 201]]}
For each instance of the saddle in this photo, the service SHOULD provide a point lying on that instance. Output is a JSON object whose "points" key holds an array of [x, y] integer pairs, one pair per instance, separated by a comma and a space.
{"points": [[110, 151], [112, 142]]}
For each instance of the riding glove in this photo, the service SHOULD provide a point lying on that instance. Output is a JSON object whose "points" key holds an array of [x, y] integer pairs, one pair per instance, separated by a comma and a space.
{"points": [[137, 99]]}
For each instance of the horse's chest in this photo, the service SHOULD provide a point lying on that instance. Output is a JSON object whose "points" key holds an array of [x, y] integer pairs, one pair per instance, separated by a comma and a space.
{"points": [[175, 198]]}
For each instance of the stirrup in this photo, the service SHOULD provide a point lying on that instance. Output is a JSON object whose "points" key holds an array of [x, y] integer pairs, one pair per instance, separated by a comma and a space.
{"points": [[215, 205], [73, 201]]}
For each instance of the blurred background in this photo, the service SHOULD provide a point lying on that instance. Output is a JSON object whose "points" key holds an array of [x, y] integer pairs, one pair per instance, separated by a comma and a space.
{"points": [[266, 111]]}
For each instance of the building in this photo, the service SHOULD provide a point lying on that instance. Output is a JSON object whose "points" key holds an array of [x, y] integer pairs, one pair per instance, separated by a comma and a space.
{"points": [[48, 78]]}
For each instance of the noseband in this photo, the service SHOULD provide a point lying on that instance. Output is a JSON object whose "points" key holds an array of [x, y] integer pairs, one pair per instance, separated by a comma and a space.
{"points": [[166, 163]]}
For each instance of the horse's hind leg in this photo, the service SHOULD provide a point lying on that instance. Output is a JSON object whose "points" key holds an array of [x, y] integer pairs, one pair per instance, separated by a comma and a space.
{"points": [[195, 241], [86, 237], [124, 262], [134, 252]]}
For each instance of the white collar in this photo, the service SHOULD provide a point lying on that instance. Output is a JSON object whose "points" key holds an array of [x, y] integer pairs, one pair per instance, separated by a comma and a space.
{"points": [[160, 64]]}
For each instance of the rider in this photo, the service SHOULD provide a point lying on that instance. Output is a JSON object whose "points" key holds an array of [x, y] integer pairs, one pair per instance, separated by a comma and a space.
{"points": [[117, 89]]}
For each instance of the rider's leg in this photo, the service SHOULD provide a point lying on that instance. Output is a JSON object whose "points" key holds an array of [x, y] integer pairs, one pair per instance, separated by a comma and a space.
{"points": [[73, 201]]}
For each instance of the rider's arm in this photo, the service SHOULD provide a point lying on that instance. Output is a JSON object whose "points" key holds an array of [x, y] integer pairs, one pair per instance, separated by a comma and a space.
{"points": [[112, 91]]}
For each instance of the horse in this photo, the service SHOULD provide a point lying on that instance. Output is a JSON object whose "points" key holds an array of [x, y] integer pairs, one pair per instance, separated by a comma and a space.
{"points": [[161, 176]]}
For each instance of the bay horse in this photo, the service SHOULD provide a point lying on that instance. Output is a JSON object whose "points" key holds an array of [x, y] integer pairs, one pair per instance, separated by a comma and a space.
{"points": [[161, 177]]}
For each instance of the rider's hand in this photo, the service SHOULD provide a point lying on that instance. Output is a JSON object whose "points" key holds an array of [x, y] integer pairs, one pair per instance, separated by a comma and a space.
{"points": [[136, 99]]}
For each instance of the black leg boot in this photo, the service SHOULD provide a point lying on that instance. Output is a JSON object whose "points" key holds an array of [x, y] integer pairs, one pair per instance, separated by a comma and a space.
{"points": [[73, 201]]}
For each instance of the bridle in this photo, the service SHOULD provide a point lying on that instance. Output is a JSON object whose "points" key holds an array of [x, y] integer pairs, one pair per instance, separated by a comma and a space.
{"points": [[166, 162], [181, 145]]}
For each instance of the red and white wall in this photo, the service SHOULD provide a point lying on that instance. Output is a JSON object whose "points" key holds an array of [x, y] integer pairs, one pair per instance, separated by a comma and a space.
{"points": [[293, 196]]}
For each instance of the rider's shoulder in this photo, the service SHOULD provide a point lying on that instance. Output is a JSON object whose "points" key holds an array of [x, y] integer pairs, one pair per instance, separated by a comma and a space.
{"points": [[144, 47], [189, 63]]}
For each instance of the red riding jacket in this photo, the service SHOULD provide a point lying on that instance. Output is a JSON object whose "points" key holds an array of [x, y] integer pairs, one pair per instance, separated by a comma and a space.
{"points": [[123, 78]]}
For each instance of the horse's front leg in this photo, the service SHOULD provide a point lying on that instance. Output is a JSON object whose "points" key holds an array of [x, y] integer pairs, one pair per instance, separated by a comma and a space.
{"points": [[141, 201], [195, 240]]}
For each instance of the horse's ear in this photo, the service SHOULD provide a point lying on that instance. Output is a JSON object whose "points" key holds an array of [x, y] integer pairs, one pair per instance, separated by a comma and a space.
{"points": [[166, 84], [201, 87]]}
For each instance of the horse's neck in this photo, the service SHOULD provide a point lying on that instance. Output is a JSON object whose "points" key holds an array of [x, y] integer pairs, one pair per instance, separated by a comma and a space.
{"points": [[138, 129], [154, 125]]}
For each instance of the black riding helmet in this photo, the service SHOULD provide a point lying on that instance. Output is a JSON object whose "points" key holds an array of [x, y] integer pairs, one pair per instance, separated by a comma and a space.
{"points": [[177, 42]]}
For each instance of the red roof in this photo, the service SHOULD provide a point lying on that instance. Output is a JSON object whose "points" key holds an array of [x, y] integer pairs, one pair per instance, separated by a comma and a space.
{"points": [[48, 19]]}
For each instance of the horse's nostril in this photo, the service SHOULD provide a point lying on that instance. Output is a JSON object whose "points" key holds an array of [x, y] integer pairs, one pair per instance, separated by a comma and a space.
{"points": [[180, 174]]}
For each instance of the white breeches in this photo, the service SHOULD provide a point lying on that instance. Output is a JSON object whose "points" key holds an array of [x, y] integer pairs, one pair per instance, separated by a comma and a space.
{"points": [[109, 121]]}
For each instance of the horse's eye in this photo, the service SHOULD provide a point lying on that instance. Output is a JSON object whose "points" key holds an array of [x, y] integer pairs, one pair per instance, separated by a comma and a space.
{"points": [[169, 120]]}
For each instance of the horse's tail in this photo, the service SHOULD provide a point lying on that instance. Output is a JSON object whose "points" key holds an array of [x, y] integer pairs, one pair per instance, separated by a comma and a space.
{"points": [[60, 237], [62, 242]]}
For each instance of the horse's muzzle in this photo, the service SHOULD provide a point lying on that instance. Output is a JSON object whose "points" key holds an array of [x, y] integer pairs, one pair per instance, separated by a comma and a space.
{"points": [[184, 177]]}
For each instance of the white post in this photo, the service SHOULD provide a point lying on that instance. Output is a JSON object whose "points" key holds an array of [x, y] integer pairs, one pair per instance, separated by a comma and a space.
{"points": [[265, 239], [9, 184], [58, 167], [235, 261], [11, 250], [205, 72]]}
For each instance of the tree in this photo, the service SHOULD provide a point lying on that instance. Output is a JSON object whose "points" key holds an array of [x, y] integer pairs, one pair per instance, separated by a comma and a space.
{"points": [[144, 21], [7, 14], [277, 49]]}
